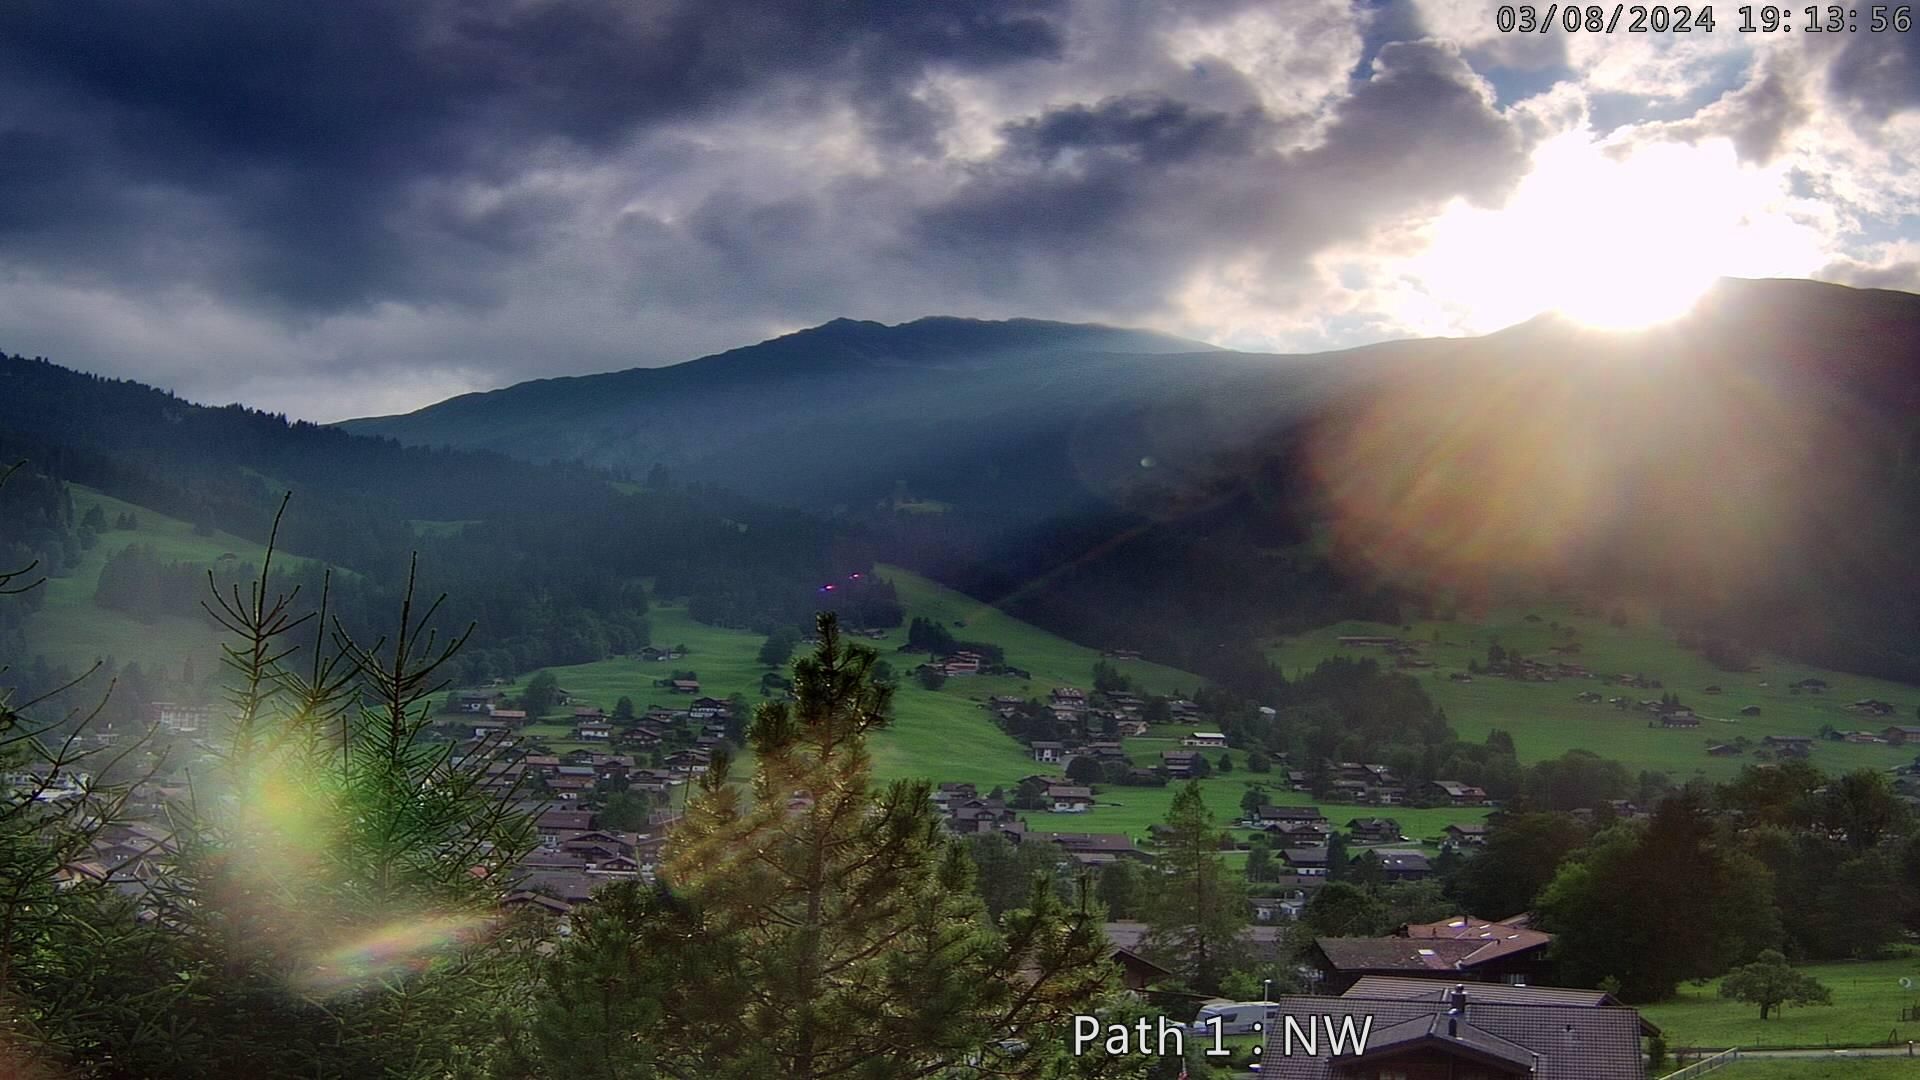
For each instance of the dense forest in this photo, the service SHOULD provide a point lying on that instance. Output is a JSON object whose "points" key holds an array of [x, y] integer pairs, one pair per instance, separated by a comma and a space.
{"points": [[548, 561]]}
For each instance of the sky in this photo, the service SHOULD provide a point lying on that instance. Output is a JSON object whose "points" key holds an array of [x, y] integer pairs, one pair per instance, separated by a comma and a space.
{"points": [[361, 207]]}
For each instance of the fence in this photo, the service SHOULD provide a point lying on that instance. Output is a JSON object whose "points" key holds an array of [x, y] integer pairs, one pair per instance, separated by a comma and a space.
{"points": [[1705, 1065]]}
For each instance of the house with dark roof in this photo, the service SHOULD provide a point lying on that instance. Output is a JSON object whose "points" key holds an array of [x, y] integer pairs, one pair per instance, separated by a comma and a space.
{"points": [[1373, 830], [1459, 949], [1460, 1036]]}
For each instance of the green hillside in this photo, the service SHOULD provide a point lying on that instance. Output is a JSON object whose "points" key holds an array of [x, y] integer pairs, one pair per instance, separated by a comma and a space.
{"points": [[70, 629], [1546, 721], [942, 734]]}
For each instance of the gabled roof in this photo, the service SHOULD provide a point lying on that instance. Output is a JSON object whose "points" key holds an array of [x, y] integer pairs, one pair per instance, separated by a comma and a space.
{"points": [[1560, 1042], [1394, 988], [1496, 938], [1396, 954], [1452, 1035]]}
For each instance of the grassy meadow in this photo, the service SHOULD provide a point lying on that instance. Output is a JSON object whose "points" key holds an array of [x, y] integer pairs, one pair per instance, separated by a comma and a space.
{"points": [[1545, 720], [1867, 999], [69, 629]]}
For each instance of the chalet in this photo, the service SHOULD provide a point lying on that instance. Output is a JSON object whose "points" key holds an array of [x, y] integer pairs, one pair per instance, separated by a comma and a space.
{"points": [[1107, 751], [1721, 749], [960, 665], [1373, 831], [1466, 834], [473, 701], [484, 729], [587, 713], [1681, 719], [511, 717], [554, 823], [951, 791], [593, 731], [1900, 734], [619, 866], [652, 781], [1182, 709], [1206, 740], [1048, 752], [1067, 799], [1457, 949], [684, 686], [1067, 697], [569, 788], [1306, 862], [709, 708], [1092, 849], [642, 738], [1789, 745], [1136, 971], [1179, 764], [1402, 865], [1300, 833], [1460, 1030], [980, 818], [1130, 729], [691, 762], [1455, 793]]}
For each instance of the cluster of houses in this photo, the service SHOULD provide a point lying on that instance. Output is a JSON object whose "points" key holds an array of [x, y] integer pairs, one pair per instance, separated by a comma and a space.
{"points": [[1094, 715], [685, 738], [575, 856], [965, 812]]}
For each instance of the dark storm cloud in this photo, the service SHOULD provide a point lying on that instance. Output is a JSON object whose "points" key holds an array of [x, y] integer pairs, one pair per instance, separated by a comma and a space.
{"points": [[1879, 73], [297, 138], [1123, 198]]}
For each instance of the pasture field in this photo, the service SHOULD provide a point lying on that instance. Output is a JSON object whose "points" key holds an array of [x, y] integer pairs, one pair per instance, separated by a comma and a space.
{"points": [[69, 629], [942, 734], [1545, 720], [1867, 999]]}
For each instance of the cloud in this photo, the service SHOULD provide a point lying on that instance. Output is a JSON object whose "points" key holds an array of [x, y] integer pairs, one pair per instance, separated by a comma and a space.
{"points": [[358, 206]]}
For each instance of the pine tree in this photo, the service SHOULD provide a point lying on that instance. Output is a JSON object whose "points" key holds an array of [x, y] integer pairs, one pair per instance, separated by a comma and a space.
{"points": [[1197, 923], [826, 927], [333, 900]]}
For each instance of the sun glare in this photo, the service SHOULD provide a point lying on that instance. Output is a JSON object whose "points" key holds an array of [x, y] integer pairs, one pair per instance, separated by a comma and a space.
{"points": [[1613, 243]]}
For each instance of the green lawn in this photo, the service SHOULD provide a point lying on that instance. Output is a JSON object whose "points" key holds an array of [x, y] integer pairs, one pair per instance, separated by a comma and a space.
{"points": [[1867, 1000], [1834, 1068], [1546, 721], [1132, 809], [70, 629]]}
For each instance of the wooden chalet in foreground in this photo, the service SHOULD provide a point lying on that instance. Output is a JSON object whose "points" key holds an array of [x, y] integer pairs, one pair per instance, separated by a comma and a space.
{"points": [[1409, 1030], [1459, 949]]}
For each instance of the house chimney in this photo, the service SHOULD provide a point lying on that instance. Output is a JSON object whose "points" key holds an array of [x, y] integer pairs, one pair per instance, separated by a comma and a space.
{"points": [[1457, 1000]]}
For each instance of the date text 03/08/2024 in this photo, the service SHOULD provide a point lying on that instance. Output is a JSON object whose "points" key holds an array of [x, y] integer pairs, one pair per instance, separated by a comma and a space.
{"points": [[1311, 1035], [1704, 18]]}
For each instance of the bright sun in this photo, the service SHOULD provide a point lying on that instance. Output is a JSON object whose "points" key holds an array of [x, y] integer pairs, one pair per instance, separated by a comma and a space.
{"points": [[1614, 243]]}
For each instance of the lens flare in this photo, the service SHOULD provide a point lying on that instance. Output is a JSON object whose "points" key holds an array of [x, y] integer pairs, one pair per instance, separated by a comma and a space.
{"points": [[402, 947]]}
